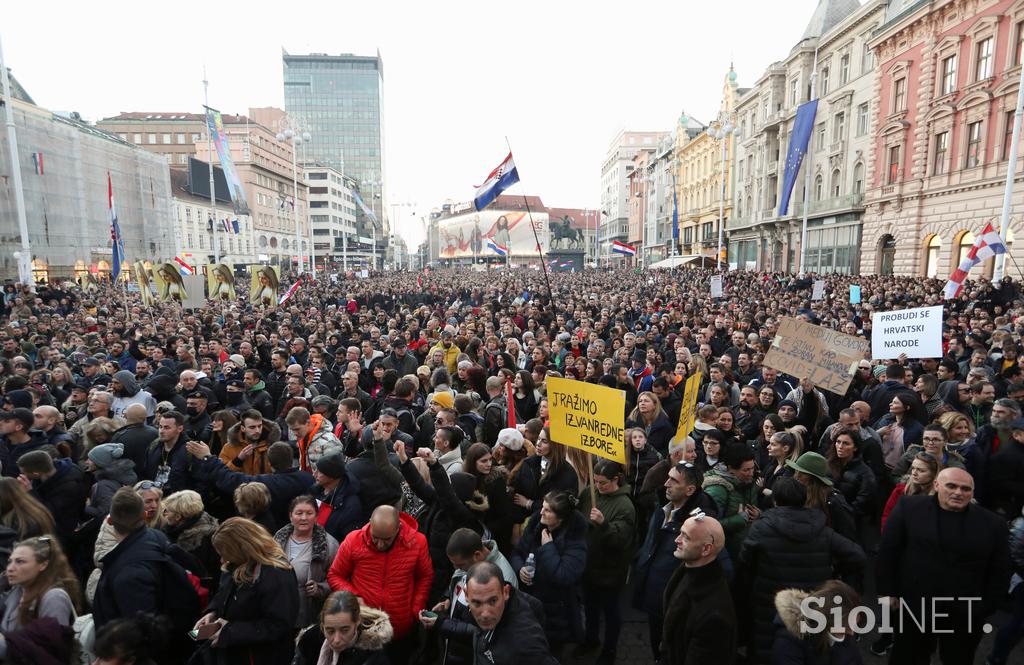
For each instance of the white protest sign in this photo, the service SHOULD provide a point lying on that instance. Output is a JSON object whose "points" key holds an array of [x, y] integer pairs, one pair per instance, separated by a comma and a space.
{"points": [[716, 286], [915, 332], [819, 289]]}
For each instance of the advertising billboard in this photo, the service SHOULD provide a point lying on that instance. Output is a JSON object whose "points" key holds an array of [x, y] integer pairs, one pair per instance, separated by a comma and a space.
{"points": [[484, 234]]}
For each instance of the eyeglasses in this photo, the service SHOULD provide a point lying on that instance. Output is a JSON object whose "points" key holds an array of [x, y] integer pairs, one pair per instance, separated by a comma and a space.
{"points": [[146, 485]]}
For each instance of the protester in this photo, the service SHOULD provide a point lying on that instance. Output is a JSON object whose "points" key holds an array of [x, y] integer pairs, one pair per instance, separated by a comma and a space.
{"points": [[310, 551], [347, 632]]}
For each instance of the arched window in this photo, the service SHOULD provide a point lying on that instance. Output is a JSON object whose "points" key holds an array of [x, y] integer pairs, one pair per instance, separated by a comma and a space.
{"points": [[817, 187], [966, 242], [931, 257], [836, 179], [858, 178]]}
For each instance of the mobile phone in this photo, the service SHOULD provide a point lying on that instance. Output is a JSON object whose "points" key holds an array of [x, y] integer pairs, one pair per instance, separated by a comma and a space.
{"points": [[204, 632]]}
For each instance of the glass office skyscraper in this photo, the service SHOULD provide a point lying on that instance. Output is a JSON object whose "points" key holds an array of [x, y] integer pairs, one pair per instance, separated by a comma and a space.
{"points": [[341, 98]]}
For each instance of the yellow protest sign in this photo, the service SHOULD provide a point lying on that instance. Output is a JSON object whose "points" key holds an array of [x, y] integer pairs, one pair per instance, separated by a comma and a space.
{"points": [[688, 409], [588, 417]]}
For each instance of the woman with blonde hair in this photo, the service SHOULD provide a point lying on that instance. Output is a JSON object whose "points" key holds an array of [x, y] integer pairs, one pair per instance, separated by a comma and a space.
{"points": [[152, 499], [258, 599], [190, 527], [22, 512], [652, 419]]}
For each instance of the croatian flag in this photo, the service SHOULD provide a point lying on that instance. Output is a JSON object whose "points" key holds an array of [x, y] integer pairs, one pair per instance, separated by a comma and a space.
{"points": [[289, 293], [227, 225], [183, 267], [987, 245], [623, 248], [116, 241], [496, 248], [497, 182]]}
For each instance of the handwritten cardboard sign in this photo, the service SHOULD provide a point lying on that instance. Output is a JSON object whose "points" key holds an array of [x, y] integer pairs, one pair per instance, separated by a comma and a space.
{"points": [[588, 417], [827, 357]]}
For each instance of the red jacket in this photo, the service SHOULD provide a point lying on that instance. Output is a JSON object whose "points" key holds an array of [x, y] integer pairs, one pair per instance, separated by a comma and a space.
{"points": [[397, 581]]}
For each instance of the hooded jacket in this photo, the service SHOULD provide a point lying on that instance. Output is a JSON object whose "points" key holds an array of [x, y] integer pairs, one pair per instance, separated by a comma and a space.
{"points": [[375, 632], [790, 547], [610, 545], [396, 581], [318, 442], [161, 387], [729, 494], [64, 495], [133, 395], [108, 480], [790, 647], [261, 400], [256, 463], [283, 485]]}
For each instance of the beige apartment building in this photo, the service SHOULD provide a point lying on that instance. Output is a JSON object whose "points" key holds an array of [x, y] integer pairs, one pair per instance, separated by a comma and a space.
{"points": [[264, 166]]}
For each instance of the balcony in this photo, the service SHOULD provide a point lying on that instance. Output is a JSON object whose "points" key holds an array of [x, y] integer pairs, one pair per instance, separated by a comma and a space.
{"points": [[836, 148], [771, 167], [835, 204]]}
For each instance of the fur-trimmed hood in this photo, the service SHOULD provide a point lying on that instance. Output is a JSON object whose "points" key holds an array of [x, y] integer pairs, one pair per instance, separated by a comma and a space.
{"points": [[787, 604], [190, 534], [271, 433]]}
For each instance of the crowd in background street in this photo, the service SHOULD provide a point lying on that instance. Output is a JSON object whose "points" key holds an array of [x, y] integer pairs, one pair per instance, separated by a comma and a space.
{"points": [[367, 474]]}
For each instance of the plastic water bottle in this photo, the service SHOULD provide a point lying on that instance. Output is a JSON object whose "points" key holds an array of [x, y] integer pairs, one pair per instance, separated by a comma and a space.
{"points": [[530, 567]]}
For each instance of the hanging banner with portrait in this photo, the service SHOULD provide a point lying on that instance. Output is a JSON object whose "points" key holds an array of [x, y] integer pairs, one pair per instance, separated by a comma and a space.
{"points": [[263, 284], [170, 285], [220, 282], [145, 281]]}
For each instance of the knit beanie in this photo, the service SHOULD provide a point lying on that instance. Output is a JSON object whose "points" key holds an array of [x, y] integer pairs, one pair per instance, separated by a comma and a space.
{"points": [[106, 454]]}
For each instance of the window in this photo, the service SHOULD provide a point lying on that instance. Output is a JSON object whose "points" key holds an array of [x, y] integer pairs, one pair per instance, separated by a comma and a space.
{"points": [[180, 138], [966, 243], [867, 62], [894, 165], [858, 178], [948, 75], [1008, 134], [151, 139], [820, 138], [1019, 42], [167, 139], [983, 59], [899, 95], [973, 144], [794, 92], [182, 158], [196, 138], [931, 259], [817, 187], [844, 69], [839, 127], [136, 138], [824, 80], [941, 153], [862, 119], [688, 235], [836, 180]]}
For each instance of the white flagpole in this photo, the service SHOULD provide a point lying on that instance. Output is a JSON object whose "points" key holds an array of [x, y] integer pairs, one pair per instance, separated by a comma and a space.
{"points": [[808, 160], [209, 150], [25, 275], [1011, 173]]}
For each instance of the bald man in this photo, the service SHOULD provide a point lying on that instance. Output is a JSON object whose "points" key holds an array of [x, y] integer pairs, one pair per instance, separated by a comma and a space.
{"points": [[387, 564], [135, 436], [952, 556], [700, 620], [48, 420]]}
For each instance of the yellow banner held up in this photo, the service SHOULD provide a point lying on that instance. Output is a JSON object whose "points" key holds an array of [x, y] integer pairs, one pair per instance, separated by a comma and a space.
{"points": [[588, 417], [688, 409]]}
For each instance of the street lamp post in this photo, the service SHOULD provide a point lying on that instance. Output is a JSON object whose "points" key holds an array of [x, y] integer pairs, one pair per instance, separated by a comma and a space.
{"points": [[373, 184], [724, 127], [294, 131]]}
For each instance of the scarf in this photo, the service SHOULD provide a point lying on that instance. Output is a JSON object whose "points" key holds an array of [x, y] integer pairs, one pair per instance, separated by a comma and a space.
{"points": [[327, 655]]}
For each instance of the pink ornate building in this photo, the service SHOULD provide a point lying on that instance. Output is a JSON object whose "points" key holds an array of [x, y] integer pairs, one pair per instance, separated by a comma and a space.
{"points": [[942, 117]]}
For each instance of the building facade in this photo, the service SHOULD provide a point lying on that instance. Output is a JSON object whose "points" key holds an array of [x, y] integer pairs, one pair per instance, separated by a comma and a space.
{"points": [[264, 166], [615, 186], [64, 165], [837, 156], [341, 99], [948, 73], [194, 221]]}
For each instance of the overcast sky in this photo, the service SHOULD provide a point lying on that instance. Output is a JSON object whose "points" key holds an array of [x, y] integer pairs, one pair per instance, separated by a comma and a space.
{"points": [[559, 79]]}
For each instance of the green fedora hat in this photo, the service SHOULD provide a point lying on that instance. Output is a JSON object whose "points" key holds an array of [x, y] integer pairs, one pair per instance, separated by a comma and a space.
{"points": [[812, 464]]}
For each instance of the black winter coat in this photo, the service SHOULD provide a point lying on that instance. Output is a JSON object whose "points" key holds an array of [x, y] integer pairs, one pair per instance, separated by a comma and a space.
{"points": [[640, 462], [346, 507], [659, 433], [283, 486], [178, 459], [790, 548], [557, 581], [530, 484], [1005, 485], [857, 485], [700, 621], [64, 495], [790, 647], [655, 562], [136, 440], [914, 563], [260, 616], [131, 578]]}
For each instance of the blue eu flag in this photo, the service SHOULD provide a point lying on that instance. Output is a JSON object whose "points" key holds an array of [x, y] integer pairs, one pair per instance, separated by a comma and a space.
{"points": [[798, 142]]}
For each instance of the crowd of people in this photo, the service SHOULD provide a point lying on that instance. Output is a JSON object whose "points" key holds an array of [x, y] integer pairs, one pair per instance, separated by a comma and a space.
{"points": [[367, 474]]}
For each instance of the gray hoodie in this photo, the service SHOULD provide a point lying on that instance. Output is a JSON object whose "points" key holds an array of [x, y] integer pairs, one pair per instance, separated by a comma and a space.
{"points": [[134, 395]]}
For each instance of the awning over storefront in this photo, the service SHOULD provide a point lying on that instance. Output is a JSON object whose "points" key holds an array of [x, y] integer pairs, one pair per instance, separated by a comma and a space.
{"points": [[687, 261]]}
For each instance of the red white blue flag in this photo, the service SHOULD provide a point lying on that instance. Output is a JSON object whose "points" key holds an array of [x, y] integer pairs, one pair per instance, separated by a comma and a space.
{"points": [[987, 245], [623, 248], [500, 179], [286, 296]]}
